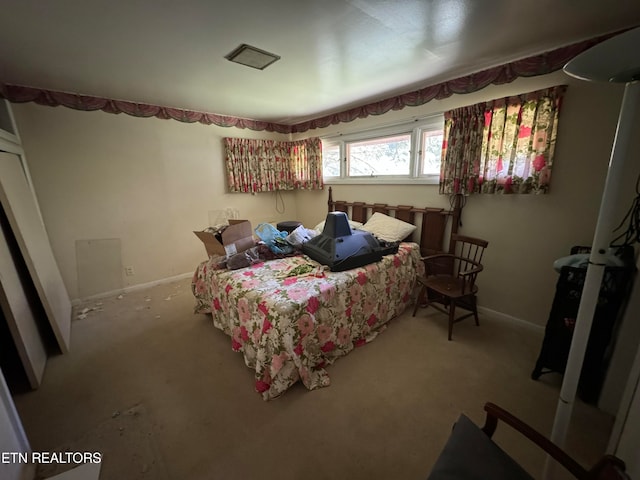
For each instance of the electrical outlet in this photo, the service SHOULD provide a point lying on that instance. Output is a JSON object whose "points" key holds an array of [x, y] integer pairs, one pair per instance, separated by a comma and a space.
{"points": [[128, 270]]}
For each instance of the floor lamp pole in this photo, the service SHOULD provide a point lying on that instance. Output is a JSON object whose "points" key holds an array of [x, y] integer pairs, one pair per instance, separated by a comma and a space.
{"points": [[595, 268]]}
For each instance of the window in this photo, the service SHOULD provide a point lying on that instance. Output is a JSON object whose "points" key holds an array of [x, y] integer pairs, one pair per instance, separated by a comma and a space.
{"points": [[330, 159], [431, 152], [404, 153], [379, 156]]}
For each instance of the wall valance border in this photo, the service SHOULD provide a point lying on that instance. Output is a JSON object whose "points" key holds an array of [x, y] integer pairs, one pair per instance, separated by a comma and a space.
{"points": [[540, 64]]}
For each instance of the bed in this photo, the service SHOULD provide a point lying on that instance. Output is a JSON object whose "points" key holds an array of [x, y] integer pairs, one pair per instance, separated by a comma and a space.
{"points": [[291, 317]]}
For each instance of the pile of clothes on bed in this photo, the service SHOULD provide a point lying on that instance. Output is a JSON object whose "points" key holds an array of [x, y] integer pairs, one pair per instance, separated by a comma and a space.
{"points": [[272, 244]]}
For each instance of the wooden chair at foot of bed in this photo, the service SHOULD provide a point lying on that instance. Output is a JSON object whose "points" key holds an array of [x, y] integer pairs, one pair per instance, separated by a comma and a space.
{"points": [[470, 453]]}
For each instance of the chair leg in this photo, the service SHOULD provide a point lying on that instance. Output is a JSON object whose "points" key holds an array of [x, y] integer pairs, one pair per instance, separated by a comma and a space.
{"points": [[475, 310], [423, 290], [452, 312]]}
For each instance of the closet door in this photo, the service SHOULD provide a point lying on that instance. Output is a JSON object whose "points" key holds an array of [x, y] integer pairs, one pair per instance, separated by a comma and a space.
{"points": [[15, 306], [19, 204]]}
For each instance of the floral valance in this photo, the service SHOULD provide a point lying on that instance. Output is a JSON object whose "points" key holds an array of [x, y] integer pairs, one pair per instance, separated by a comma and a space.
{"points": [[541, 64]]}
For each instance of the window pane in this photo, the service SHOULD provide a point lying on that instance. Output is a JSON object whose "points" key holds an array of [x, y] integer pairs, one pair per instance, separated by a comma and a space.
{"points": [[330, 160], [380, 156], [431, 152]]}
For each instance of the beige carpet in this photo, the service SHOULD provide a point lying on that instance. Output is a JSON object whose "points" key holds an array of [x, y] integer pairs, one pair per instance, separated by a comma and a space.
{"points": [[387, 413], [126, 443]]}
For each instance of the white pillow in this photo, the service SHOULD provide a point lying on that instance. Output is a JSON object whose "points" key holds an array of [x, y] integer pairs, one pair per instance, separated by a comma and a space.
{"points": [[388, 228], [354, 225]]}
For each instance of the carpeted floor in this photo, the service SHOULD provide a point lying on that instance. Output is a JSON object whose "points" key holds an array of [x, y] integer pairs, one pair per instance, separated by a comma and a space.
{"points": [[126, 444], [386, 415]]}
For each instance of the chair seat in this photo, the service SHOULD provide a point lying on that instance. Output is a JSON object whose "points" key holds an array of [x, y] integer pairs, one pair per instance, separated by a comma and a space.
{"points": [[471, 455], [448, 285]]}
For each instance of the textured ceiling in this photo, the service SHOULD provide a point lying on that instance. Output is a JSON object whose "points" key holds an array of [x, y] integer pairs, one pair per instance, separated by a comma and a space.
{"points": [[336, 54]]}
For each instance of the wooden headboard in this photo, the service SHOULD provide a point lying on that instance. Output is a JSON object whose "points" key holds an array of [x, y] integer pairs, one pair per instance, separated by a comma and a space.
{"points": [[435, 225]]}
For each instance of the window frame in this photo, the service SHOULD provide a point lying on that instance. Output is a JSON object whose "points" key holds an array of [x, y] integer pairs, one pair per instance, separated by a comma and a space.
{"points": [[414, 128]]}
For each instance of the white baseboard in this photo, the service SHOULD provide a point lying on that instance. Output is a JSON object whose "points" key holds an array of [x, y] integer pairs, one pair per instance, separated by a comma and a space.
{"points": [[508, 318], [132, 288]]}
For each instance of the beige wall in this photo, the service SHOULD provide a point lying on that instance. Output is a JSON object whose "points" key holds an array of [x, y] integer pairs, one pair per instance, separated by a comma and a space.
{"points": [[526, 233], [131, 190], [147, 183], [135, 187]]}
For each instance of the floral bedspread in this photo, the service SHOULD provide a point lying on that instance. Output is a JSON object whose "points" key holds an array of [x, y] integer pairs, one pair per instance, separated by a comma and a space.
{"points": [[292, 317]]}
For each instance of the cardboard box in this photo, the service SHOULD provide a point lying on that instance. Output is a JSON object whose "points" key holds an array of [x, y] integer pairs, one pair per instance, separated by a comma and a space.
{"points": [[237, 237]]}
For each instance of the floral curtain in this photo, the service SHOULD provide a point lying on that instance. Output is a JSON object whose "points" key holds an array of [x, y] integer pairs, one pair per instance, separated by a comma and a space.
{"points": [[306, 163], [268, 165], [502, 146]]}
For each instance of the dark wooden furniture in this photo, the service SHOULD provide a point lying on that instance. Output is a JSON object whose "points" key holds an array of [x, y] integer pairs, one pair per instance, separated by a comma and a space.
{"points": [[450, 279], [614, 291], [432, 224], [470, 453]]}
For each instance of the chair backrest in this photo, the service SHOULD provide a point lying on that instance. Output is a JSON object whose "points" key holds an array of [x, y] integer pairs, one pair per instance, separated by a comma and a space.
{"points": [[608, 467], [469, 252], [485, 459]]}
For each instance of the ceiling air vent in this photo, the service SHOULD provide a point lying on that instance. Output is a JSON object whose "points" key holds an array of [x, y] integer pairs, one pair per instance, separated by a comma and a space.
{"points": [[252, 57]]}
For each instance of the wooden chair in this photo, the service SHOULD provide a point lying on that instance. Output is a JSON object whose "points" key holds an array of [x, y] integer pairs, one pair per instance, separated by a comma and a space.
{"points": [[450, 279], [470, 453]]}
